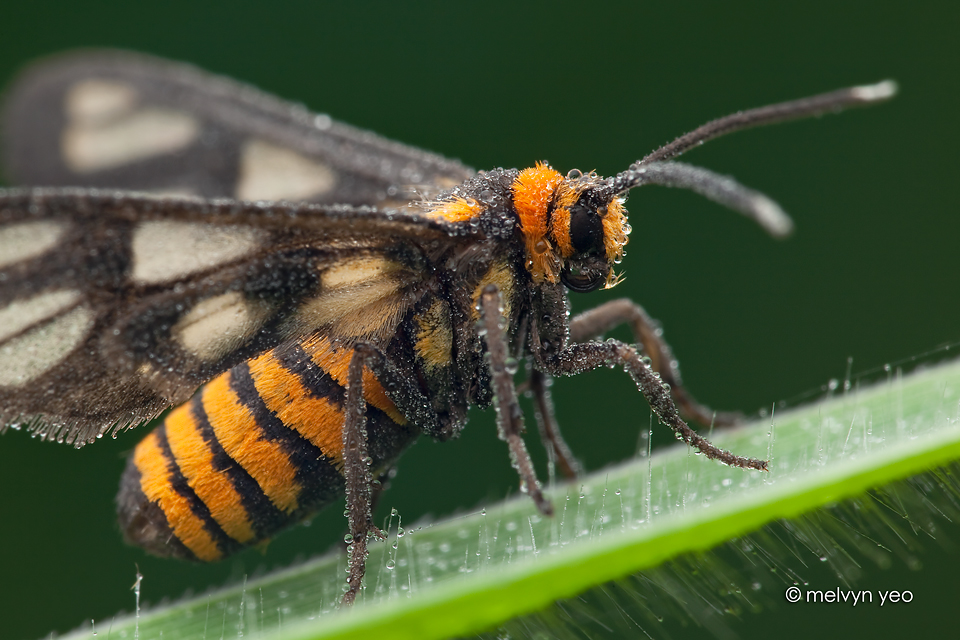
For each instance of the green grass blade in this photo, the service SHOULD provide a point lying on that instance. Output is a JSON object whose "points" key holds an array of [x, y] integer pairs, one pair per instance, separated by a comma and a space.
{"points": [[467, 574]]}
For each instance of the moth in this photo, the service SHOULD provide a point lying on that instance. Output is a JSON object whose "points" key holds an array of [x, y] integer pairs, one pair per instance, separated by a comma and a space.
{"points": [[310, 297]]}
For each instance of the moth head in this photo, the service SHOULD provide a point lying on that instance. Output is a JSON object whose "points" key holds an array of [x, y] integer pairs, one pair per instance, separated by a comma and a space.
{"points": [[573, 226]]}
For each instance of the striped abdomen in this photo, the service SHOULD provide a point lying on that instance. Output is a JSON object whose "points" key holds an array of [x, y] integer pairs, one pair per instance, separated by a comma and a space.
{"points": [[258, 448]]}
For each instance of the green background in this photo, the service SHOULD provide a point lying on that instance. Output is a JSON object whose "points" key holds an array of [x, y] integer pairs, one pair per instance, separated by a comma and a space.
{"points": [[869, 274]]}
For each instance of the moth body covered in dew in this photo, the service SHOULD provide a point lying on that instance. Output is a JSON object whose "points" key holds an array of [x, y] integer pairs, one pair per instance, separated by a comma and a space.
{"points": [[310, 297]]}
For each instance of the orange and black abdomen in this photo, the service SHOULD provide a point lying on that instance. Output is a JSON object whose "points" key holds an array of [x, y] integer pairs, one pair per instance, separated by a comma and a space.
{"points": [[257, 449]]}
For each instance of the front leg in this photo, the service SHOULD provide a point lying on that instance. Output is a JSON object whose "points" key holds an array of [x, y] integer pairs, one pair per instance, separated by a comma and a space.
{"points": [[578, 358], [593, 324]]}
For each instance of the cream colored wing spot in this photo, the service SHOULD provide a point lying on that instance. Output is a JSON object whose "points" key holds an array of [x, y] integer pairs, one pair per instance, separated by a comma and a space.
{"points": [[27, 240], [106, 130], [164, 250], [271, 172], [20, 314], [358, 298], [357, 271], [95, 101], [218, 325], [375, 321], [331, 305], [27, 357]]}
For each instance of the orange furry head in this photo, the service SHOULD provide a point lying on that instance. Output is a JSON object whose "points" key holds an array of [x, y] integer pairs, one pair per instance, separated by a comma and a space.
{"points": [[552, 220]]}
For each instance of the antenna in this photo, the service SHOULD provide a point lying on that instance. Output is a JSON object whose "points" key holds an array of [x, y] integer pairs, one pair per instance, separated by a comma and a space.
{"points": [[655, 168]]}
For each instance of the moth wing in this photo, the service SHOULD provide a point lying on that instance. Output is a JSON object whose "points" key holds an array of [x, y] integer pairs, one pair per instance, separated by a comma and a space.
{"points": [[112, 119], [115, 306]]}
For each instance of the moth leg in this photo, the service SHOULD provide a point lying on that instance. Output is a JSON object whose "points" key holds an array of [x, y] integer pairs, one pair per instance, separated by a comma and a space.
{"points": [[592, 324], [509, 416], [577, 358], [357, 477], [553, 442], [361, 491]]}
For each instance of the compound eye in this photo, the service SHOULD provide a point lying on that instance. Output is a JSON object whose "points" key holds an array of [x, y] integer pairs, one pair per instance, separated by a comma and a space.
{"points": [[586, 226], [585, 276]]}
